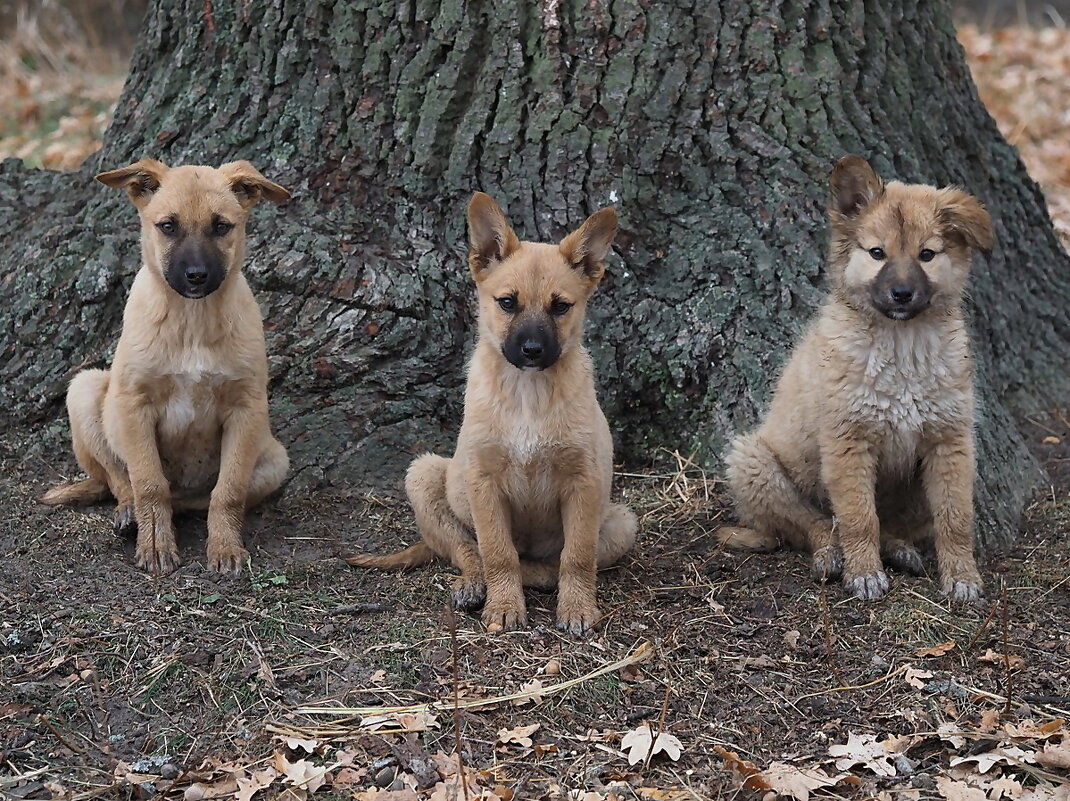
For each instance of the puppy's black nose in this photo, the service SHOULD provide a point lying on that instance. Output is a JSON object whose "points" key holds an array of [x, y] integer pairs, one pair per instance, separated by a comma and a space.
{"points": [[902, 294], [531, 349], [196, 275]]}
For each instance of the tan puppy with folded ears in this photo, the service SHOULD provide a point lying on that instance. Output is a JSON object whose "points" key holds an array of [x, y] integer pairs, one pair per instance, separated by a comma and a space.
{"points": [[180, 421], [868, 445], [525, 500]]}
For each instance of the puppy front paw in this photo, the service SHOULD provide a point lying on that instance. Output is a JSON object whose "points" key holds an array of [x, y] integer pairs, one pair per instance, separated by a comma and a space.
{"points": [[125, 521], [156, 551], [826, 564], [578, 620], [468, 593], [501, 615], [904, 558], [227, 558], [963, 590], [868, 587]]}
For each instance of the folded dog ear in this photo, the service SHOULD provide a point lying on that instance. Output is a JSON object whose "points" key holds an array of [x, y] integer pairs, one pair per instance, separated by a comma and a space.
{"points": [[140, 179], [586, 248], [854, 185], [248, 185], [964, 215], [490, 239]]}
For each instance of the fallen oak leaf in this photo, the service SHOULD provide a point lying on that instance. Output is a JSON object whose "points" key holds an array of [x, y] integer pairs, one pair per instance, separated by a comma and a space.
{"points": [[989, 720], [295, 743], [1055, 756], [1028, 729], [863, 750], [301, 774], [641, 741], [785, 779], [223, 788], [521, 735], [746, 769], [936, 650], [1014, 661], [959, 791], [913, 677], [1008, 755], [248, 786], [529, 694]]}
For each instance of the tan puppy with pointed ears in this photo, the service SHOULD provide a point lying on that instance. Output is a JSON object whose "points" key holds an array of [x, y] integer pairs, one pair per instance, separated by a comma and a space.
{"points": [[525, 499], [868, 445], [180, 421]]}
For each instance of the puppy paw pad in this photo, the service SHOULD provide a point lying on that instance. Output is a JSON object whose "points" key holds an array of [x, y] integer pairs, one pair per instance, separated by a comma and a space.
{"points": [[868, 587]]}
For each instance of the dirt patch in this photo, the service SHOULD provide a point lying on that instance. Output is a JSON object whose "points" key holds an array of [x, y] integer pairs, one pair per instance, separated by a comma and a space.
{"points": [[116, 683]]}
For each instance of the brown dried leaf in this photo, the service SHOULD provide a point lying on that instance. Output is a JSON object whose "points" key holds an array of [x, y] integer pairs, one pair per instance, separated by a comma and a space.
{"points": [[936, 650]]}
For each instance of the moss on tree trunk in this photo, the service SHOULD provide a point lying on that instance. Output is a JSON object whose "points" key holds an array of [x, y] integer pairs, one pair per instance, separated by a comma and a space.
{"points": [[711, 126]]}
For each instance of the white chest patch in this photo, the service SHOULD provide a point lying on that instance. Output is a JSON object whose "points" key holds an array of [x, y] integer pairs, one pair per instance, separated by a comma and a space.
{"points": [[904, 383], [192, 402], [525, 440]]}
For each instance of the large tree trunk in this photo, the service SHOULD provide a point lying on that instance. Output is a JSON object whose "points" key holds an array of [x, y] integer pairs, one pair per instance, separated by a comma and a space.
{"points": [[711, 126]]}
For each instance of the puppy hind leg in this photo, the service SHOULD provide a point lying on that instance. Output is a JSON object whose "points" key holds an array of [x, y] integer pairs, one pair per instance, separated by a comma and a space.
{"points": [[442, 530], [772, 507], [617, 534], [270, 471], [95, 455]]}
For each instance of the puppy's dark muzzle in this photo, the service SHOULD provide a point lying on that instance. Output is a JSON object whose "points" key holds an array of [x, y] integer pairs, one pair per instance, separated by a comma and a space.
{"points": [[531, 346], [196, 269], [901, 292]]}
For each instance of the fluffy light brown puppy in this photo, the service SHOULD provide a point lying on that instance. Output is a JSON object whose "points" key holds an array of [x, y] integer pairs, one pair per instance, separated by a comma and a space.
{"points": [[525, 500], [180, 421], [868, 445]]}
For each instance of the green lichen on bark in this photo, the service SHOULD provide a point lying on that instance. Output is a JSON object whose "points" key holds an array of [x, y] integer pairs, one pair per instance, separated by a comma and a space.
{"points": [[711, 126]]}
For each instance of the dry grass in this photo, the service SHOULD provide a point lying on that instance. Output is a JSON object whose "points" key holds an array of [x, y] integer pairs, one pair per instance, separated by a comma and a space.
{"points": [[1022, 76], [59, 82]]}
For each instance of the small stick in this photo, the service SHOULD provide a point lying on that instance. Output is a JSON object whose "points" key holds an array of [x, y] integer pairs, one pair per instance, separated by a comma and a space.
{"points": [[842, 688], [451, 621], [661, 725], [980, 631], [826, 622], [1008, 687]]}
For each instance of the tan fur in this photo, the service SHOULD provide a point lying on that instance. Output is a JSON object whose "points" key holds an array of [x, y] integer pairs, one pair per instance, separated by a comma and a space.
{"points": [[868, 444], [180, 421], [525, 500]]}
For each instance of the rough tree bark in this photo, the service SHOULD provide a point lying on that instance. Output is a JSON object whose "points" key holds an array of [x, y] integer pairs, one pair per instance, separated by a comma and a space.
{"points": [[711, 126]]}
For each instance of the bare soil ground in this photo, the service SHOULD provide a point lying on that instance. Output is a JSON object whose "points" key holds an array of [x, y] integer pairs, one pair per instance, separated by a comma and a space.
{"points": [[117, 685], [121, 685]]}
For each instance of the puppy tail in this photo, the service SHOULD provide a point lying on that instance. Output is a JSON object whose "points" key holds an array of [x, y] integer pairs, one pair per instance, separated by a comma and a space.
{"points": [[413, 556], [746, 539], [88, 490]]}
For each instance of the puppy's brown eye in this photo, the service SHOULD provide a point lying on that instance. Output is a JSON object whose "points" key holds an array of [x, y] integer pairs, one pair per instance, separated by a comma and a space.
{"points": [[221, 228], [508, 303], [927, 255], [167, 227], [877, 253], [560, 307]]}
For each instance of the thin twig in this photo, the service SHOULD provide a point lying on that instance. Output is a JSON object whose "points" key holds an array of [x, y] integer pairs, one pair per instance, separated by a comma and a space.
{"points": [[1008, 687], [841, 689], [452, 622], [826, 622], [661, 725], [643, 652]]}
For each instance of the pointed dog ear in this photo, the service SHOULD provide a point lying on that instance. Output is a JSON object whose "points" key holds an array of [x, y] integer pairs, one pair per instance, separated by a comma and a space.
{"points": [[140, 179], [248, 185], [965, 215], [490, 238], [586, 248], [854, 186]]}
